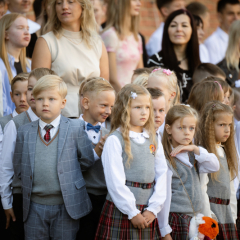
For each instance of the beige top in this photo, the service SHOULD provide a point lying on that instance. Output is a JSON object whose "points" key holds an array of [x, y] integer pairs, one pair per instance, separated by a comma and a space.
{"points": [[73, 61]]}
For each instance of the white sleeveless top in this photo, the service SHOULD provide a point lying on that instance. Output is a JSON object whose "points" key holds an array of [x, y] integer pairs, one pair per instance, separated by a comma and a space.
{"points": [[74, 62]]}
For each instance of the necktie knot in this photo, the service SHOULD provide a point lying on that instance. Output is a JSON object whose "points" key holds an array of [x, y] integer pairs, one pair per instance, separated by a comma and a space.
{"points": [[95, 128], [47, 136]]}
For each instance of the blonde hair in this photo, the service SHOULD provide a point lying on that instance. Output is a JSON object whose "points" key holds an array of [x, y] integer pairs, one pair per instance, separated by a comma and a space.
{"points": [[5, 23], [117, 13], [20, 77], [142, 79], [88, 25], [175, 113], [121, 116], [95, 85], [50, 82], [40, 72], [204, 92], [233, 51], [206, 135], [172, 83]]}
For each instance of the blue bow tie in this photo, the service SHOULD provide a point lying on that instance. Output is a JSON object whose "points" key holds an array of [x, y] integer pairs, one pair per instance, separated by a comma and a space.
{"points": [[95, 128]]}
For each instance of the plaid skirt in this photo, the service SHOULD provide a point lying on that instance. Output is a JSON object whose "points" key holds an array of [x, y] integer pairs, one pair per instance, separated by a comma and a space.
{"points": [[227, 231], [179, 223], [115, 225]]}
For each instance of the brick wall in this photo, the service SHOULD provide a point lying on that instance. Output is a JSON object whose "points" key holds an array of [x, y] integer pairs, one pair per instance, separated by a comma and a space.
{"points": [[151, 19]]}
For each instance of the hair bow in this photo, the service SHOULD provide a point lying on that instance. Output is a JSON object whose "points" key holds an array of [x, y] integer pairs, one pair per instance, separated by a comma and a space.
{"points": [[133, 95], [155, 70], [167, 71]]}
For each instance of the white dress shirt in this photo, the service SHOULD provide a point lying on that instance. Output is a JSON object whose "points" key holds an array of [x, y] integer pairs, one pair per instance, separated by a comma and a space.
{"points": [[33, 26], [93, 136], [207, 163], [154, 44], [115, 177], [6, 168], [217, 45], [206, 211], [55, 123], [204, 55]]}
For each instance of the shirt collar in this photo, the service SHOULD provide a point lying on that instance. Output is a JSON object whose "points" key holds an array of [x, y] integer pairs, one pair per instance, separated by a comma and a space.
{"points": [[32, 115], [222, 34], [11, 59], [55, 122], [81, 118], [14, 114], [139, 135]]}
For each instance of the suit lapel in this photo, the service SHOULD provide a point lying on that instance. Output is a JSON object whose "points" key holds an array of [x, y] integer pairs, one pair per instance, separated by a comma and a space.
{"points": [[63, 130], [32, 142]]}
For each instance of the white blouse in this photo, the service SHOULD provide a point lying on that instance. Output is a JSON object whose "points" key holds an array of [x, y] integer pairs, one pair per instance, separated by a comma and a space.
{"points": [[115, 177], [207, 163]]}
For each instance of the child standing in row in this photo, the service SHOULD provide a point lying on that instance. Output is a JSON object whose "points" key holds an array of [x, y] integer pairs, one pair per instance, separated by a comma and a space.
{"points": [[217, 136], [49, 158], [97, 100], [134, 168], [10, 185], [185, 162]]}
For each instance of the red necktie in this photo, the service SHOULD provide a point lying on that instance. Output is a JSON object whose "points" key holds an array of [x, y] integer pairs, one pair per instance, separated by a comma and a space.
{"points": [[47, 136]]}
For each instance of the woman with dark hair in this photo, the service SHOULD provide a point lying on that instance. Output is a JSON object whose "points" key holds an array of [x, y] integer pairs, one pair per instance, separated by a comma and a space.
{"points": [[180, 49]]}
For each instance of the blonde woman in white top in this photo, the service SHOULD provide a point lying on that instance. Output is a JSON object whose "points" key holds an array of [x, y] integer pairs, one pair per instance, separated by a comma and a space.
{"points": [[73, 48]]}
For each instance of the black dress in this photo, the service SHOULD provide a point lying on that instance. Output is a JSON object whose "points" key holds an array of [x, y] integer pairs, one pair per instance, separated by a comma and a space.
{"points": [[184, 77]]}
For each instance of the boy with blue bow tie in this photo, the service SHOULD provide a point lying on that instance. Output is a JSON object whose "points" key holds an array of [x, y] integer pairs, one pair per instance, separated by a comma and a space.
{"points": [[97, 99], [49, 158]]}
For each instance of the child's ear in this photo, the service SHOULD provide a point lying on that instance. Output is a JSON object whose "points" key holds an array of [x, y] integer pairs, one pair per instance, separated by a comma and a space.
{"points": [[85, 103], [64, 101], [11, 95], [173, 95], [6, 35], [168, 129], [233, 107]]}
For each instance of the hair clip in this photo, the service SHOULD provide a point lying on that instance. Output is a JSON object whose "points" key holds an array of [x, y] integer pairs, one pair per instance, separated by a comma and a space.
{"points": [[155, 70], [214, 105], [219, 85], [237, 83], [133, 95], [167, 71]]}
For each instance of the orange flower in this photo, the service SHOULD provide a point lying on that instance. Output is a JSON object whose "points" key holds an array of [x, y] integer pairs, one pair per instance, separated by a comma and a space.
{"points": [[152, 149]]}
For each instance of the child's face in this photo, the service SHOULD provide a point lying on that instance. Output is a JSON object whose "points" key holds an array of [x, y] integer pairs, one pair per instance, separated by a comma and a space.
{"points": [[139, 112], [227, 98], [20, 6], [156, 82], [18, 34], [237, 110], [182, 131], [222, 127], [30, 99], [49, 104], [19, 96], [159, 111], [98, 106]]}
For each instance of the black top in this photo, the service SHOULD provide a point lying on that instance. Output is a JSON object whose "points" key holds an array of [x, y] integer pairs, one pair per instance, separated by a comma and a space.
{"points": [[184, 76], [31, 45], [18, 67]]}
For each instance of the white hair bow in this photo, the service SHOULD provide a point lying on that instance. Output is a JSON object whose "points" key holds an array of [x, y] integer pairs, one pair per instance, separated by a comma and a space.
{"points": [[133, 95]]}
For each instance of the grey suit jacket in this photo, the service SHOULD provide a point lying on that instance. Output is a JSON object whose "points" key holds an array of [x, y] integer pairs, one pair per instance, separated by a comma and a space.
{"points": [[74, 155]]}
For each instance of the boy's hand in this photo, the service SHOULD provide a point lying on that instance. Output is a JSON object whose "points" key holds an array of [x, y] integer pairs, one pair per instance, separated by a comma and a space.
{"points": [[139, 221], [167, 237], [9, 214], [149, 216], [99, 147], [183, 148]]}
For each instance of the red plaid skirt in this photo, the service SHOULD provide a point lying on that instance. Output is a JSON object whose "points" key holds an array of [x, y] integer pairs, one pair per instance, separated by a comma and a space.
{"points": [[180, 225], [227, 231], [113, 224]]}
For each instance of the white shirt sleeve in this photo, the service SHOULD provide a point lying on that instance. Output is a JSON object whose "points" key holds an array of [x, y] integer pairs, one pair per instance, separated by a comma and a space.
{"points": [[115, 177], [6, 168], [156, 201], [163, 215], [233, 201], [208, 162]]}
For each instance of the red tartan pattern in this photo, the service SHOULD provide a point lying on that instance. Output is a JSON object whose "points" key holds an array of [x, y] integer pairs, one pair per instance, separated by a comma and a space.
{"points": [[140, 185], [47, 136], [115, 225], [227, 231], [219, 201], [180, 225]]}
